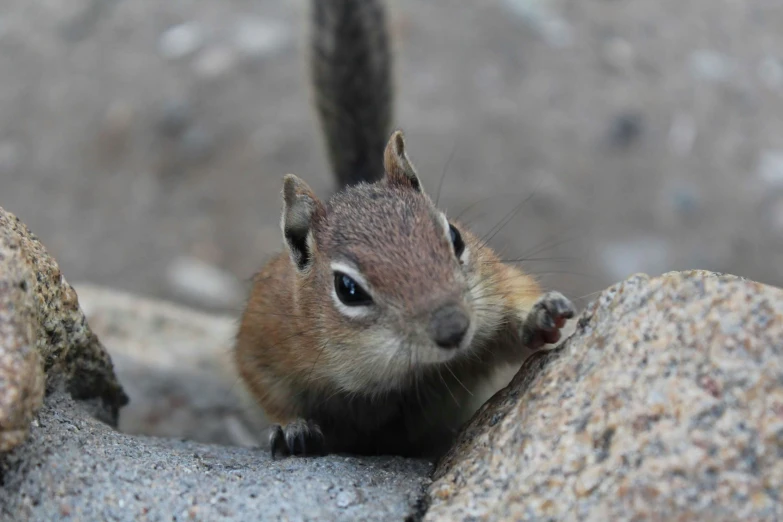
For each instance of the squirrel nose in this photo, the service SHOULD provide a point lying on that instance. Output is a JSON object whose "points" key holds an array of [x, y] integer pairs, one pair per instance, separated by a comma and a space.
{"points": [[448, 326]]}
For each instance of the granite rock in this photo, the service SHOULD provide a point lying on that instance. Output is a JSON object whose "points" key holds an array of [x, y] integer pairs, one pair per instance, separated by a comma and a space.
{"points": [[191, 388], [665, 404], [45, 340], [74, 467]]}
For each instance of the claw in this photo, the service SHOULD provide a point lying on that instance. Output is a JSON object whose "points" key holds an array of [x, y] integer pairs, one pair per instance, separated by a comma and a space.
{"points": [[545, 320], [299, 437]]}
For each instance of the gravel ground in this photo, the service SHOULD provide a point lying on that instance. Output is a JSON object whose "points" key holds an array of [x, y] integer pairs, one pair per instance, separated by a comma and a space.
{"points": [[145, 141], [74, 467]]}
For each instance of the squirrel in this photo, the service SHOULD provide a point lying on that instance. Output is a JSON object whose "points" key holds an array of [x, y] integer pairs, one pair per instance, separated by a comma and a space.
{"points": [[373, 330]]}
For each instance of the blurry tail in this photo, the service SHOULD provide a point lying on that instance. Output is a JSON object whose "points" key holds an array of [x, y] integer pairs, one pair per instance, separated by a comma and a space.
{"points": [[351, 73]]}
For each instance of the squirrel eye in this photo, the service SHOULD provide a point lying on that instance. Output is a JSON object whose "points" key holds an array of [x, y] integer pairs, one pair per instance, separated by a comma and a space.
{"points": [[349, 291], [456, 240]]}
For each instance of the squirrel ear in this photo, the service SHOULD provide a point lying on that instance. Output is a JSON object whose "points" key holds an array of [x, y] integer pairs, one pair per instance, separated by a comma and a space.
{"points": [[397, 164], [300, 210]]}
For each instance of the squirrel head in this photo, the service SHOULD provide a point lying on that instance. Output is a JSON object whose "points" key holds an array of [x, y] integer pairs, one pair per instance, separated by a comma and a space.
{"points": [[385, 276]]}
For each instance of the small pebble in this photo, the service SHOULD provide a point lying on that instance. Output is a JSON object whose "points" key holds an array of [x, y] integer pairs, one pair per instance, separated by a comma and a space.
{"points": [[9, 157], [215, 62], [175, 116], [649, 255], [197, 144], [555, 30], [180, 40], [204, 283], [686, 201], [260, 37], [679, 204], [626, 129], [119, 116], [770, 168], [682, 134], [771, 72], [775, 218], [618, 53], [346, 499], [710, 65]]}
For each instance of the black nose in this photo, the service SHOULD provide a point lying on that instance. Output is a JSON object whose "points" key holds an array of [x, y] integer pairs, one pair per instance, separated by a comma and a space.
{"points": [[448, 326]]}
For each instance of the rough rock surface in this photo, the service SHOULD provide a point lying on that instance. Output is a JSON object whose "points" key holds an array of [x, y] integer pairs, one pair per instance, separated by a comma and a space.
{"points": [[188, 390], [74, 465], [76, 468], [41, 322], [666, 404]]}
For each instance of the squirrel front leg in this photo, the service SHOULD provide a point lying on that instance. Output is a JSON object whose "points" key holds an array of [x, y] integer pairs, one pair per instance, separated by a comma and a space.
{"points": [[538, 316], [297, 437], [290, 434]]}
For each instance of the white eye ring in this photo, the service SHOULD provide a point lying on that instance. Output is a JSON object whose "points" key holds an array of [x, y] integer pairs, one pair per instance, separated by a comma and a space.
{"points": [[353, 312], [463, 257]]}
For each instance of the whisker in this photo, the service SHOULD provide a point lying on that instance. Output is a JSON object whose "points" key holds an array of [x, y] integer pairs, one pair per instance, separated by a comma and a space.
{"points": [[458, 381], [443, 174]]}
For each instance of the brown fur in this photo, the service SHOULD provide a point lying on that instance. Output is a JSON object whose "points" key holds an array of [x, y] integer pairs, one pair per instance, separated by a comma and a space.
{"points": [[301, 358], [374, 379]]}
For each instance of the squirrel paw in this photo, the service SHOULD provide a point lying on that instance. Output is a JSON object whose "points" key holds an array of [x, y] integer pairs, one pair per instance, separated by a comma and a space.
{"points": [[546, 318], [299, 437]]}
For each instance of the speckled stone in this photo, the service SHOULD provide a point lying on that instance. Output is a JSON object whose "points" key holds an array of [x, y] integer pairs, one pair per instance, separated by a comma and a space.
{"points": [[43, 331], [21, 372], [74, 468], [665, 404]]}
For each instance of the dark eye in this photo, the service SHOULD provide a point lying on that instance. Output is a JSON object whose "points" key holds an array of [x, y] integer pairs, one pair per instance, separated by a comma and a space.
{"points": [[349, 291], [456, 240]]}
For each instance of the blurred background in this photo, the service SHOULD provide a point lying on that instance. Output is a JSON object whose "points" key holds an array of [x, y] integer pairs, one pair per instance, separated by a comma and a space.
{"points": [[144, 142]]}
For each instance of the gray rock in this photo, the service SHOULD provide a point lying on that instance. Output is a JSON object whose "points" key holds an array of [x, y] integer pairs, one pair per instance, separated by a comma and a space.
{"points": [[639, 254], [770, 169], [180, 41], [711, 65], [175, 116], [666, 403], [68, 463], [258, 37], [191, 388], [43, 330], [215, 62], [542, 17], [770, 72], [74, 466], [682, 134], [204, 283]]}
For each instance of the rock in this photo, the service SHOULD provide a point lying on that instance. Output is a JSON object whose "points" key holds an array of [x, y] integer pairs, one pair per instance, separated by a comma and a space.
{"points": [[197, 144], [625, 129], [44, 332], [257, 37], [175, 115], [666, 403], [215, 62], [180, 41], [21, 371], [76, 467], [770, 72], [682, 134], [541, 16], [770, 169], [640, 254], [681, 203], [711, 66], [618, 54], [204, 283], [66, 463], [9, 157], [189, 390]]}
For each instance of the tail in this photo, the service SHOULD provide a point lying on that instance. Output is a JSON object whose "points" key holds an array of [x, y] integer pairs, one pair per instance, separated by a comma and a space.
{"points": [[351, 67]]}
